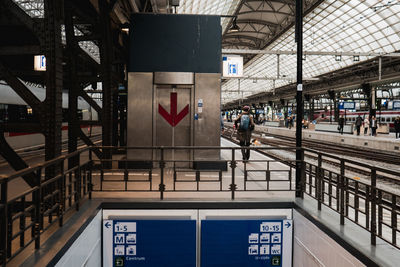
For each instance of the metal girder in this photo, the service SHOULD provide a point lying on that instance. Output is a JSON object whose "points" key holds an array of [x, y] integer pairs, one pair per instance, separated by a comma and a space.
{"points": [[238, 44], [265, 11], [25, 127], [134, 6], [18, 13], [91, 102], [20, 50], [246, 37], [89, 142], [20, 89], [15, 161], [314, 53], [92, 37]]}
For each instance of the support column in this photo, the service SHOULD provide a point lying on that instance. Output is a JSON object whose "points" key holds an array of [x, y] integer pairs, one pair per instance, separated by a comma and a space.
{"points": [[54, 79], [312, 110], [106, 51], [299, 97], [72, 85]]}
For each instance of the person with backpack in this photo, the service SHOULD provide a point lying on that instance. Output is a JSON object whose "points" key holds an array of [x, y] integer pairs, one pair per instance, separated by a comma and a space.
{"points": [[245, 125], [358, 124]]}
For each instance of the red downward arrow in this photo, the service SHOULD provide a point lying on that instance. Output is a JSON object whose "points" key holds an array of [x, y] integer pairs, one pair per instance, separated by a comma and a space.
{"points": [[172, 118]]}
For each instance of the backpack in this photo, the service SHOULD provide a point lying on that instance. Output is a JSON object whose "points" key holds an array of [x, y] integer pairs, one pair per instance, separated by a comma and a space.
{"points": [[244, 123]]}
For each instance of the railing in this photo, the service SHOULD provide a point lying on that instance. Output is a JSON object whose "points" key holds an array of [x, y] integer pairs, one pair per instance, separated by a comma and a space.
{"points": [[168, 176], [358, 198], [25, 217]]}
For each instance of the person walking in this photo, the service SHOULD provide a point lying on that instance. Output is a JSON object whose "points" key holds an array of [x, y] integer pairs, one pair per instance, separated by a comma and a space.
{"points": [[374, 125], [244, 125], [341, 124], [366, 126], [397, 126], [358, 124]]}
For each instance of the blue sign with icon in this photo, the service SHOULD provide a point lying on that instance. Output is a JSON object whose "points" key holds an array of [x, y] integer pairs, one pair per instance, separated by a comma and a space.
{"points": [[239, 243], [347, 105], [151, 242], [233, 68]]}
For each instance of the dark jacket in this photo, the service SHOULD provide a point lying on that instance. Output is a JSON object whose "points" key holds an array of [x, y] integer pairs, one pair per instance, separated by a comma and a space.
{"points": [[341, 121], [358, 121], [397, 125]]}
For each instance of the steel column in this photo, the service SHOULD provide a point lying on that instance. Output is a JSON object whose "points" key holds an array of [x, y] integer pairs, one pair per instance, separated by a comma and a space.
{"points": [[54, 79], [106, 49], [73, 85], [299, 96]]}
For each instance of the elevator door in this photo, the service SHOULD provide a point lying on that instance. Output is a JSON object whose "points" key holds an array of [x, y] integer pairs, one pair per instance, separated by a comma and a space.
{"points": [[173, 124]]}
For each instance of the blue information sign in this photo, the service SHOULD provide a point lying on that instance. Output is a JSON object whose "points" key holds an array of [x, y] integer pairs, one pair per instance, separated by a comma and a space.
{"points": [[347, 105], [240, 243], [149, 243], [396, 104]]}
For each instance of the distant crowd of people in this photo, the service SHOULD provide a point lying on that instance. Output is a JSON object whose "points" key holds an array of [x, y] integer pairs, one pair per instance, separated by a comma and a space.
{"points": [[368, 123]]}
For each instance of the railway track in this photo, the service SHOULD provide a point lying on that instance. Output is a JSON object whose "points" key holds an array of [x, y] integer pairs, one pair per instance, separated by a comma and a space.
{"points": [[38, 151], [283, 141]]}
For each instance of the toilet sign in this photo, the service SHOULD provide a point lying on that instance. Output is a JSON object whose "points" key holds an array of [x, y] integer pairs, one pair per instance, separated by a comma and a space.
{"points": [[173, 118]]}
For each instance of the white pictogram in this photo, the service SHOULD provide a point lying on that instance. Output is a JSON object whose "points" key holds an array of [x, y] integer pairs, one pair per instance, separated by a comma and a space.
{"points": [[131, 250], [276, 238], [119, 239], [119, 250], [265, 238], [264, 250], [275, 249], [253, 238], [253, 250], [131, 239]]}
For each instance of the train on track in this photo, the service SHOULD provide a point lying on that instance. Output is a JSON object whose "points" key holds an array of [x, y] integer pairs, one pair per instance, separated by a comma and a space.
{"points": [[383, 117], [14, 110]]}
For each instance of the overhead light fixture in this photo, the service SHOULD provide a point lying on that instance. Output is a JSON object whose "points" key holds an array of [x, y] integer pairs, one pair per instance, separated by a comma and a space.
{"points": [[338, 57], [235, 27], [356, 58], [125, 27]]}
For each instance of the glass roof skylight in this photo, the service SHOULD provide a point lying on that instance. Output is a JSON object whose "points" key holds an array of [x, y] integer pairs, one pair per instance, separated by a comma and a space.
{"points": [[209, 7], [334, 26], [35, 8]]}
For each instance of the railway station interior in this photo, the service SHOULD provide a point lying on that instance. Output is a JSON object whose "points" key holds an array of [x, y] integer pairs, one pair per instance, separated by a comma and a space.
{"points": [[201, 133]]}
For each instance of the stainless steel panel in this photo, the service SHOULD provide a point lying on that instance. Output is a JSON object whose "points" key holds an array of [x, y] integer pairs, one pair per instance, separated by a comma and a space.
{"points": [[173, 78], [140, 115], [167, 135], [207, 128]]}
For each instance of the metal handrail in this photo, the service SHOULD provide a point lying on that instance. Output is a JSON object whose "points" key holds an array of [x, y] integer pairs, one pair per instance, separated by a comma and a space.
{"points": [[53, 197]]}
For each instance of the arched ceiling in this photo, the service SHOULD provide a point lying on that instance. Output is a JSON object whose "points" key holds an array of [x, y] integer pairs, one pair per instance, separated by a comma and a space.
{"points": [[355, 26], [260, 22]]}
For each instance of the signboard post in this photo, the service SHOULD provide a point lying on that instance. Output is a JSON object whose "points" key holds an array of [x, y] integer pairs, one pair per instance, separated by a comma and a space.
{"points": [[149, 243], [246, 243]]}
